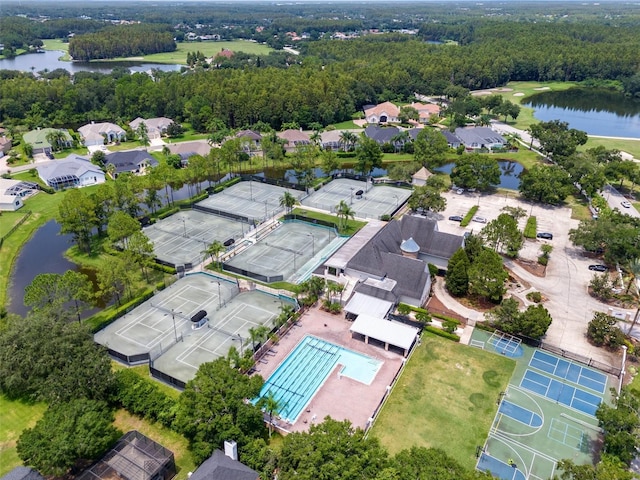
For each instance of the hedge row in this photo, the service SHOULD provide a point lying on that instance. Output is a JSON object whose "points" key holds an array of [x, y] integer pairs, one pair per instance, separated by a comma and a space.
{"points": [[445, 318], [226, 184], [442, 333], [167, 213], [467, 218], [531, 229], [141, 396], [121, 310]]}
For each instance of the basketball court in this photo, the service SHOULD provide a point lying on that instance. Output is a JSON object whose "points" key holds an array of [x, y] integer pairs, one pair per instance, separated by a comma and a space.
{"points": [[546, 414], [366, 200]]}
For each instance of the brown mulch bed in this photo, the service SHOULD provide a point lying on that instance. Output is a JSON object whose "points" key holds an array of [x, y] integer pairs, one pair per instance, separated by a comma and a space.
{"points": [[532, 267], [434, 305]]}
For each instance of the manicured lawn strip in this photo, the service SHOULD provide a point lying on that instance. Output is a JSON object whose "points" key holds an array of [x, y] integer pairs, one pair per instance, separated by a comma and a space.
{"points": [[27, 177], [445, 398], [208, 49], [15, 416], [9, 219], [629, 146], [467, 218], [352, 225], [346, 125], [579, 207], [165, 437]]}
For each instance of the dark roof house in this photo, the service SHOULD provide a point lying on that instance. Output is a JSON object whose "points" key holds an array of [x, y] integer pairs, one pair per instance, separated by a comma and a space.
{"points": [[480, 137], [221, 467], [381, 135], [134, 161]]}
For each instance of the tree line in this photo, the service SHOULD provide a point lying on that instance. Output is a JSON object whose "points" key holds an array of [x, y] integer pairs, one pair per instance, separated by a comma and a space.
{"points": [[122, 41]]}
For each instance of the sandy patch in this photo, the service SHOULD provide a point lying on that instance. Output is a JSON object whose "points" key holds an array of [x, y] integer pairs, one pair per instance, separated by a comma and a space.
{"points": [[543, 88], [481, 93], [518, 94], [503, 89]]}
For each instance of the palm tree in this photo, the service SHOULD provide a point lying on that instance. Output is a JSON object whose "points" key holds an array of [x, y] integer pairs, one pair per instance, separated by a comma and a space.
{"points": [[288, 201], [214, 250], [347, 139], [400, 138], [271, 406], [56, 138], [634, 273], [344, 212], [111, 170]]}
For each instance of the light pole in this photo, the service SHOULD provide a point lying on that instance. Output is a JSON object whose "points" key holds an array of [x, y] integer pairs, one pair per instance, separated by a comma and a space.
{"points": [[396, 197], [241, 343], [250, 189], [173, 318], [266, 214], [184, 224], [219, 297], [313, 243], [351, 201]]}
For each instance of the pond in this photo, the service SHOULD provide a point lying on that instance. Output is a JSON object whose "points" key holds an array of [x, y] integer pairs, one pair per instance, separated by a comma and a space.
{"points": [[595, 111], [49, 60], [43, 253], [509, 178]]}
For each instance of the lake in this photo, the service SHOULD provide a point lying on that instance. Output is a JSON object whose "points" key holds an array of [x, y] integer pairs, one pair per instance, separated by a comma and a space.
{"points": [[43, 253], [50, 60], [595, 111], [509, 177]]}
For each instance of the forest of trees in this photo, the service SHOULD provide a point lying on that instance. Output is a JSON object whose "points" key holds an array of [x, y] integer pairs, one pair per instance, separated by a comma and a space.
{"points": [[122, 41]]}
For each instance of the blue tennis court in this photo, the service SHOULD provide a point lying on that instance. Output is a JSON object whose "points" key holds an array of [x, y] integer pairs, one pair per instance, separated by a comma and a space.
{"points": [[522, 415], [560, 392], [498, 468], [566, 370]]}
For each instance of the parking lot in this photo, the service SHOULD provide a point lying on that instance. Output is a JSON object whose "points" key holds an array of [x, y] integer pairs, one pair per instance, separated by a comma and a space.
{"points": [[565, 284]]}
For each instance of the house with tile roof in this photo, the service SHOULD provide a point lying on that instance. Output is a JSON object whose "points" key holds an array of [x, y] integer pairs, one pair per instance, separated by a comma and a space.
{"points": [[73, 171], [425, 111], [99, 133], [294, 139], [385, 112], [251, 142], [38, 139], [156, 127]]}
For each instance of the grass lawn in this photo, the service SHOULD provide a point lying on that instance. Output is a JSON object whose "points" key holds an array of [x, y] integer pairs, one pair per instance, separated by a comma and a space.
{"points": [[58, 45], [352, 225], [209, 49], [165, 437], [629, 146], [8, 220], [15, 416], [445, 398], [347, 125]]}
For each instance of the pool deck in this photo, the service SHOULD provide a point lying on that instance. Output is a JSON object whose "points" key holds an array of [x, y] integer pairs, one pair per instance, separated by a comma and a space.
{"points": [[341, 398]]}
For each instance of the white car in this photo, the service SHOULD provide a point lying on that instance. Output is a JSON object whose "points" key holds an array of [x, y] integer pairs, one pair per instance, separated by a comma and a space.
{"points": [[625, 204], [460, 191], [479, 219]]}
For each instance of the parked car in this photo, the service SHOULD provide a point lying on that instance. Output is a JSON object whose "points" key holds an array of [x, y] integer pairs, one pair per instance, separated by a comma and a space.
{"points": [[455, 218], [625, 204], [598, 268], [479, 219], [545, 235], [459, 191]]}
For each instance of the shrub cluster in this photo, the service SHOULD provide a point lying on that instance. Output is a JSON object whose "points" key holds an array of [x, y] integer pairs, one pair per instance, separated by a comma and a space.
{"points": [[467, 218], [141, 396], [531, 228]]}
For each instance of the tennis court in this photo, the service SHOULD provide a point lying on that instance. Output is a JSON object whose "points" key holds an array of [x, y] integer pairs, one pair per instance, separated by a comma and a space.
{"points": [[290, 253], [366, 200], [158, 322], [567, 370], [546, 414], [181, 238], [252, 201], [227, 327]]}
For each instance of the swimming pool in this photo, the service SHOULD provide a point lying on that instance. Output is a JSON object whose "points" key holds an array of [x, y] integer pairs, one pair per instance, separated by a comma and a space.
{"points": [[302, 373]]}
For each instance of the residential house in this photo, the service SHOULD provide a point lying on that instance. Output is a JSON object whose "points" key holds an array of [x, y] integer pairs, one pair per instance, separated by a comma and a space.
{"points": [[98, 133], [12, 193], [382, 135], [22, 473], [38, 139], [5, 142], [476, 138], [156, 127], [331, 140], [73, 171], [425, 111], [189, 149], [452, 139], [224, 466], [133, 457], [419, 179], [385, 112], [293, 139], [134, 161], [250, 142]]}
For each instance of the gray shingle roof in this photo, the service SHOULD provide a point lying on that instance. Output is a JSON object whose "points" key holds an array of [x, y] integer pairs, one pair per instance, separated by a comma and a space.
{"points": [[381, 134], [22, 473], [478, 136], [73, 165], [128, 161], [452, 139], [220, 467]]}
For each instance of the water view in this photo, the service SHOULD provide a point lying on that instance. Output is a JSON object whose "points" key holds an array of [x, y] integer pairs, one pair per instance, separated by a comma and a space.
{"points": [[49, 60], [509, 176], [595, 111]]}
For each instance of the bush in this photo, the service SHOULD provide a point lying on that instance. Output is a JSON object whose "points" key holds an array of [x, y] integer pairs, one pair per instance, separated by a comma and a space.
{"points": [[601, 286], [531, 228], [385, 218], [534, 297], [141, 396], [167, 213], [404, 309], [445, 318], [423, 317], [433, 270], [449, 326], [602, 331], [442, 333], [543, 260], [467, 218]]}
